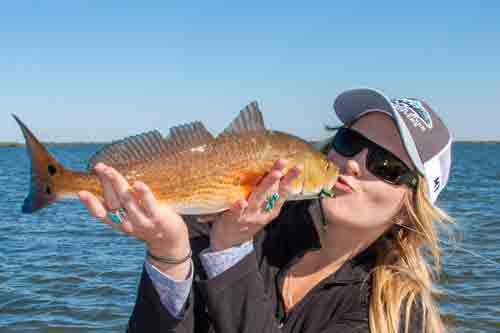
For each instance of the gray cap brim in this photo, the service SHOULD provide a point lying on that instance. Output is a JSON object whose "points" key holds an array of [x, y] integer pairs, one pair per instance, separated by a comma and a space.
{"points": [[352, 104]]}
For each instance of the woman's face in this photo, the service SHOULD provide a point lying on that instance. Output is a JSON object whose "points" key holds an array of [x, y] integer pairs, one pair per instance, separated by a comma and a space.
{"points": [[362, 200]]}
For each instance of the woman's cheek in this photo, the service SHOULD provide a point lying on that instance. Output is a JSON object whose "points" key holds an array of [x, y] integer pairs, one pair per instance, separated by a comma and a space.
{"points": [[389, 202]]}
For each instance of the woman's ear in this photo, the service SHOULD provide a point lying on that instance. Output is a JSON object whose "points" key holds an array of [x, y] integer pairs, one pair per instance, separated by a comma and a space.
{"points": [[403, 225], [402, 219]]}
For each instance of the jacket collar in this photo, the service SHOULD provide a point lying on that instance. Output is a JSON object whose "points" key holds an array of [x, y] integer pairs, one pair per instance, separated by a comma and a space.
{"points": [[356, 269]]}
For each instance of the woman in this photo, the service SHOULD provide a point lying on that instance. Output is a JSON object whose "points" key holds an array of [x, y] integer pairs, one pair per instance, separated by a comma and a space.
{"points": [[352, 263]]}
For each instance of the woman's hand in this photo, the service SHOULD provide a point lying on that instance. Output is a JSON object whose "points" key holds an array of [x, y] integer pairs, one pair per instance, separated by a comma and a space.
{"points": [[164, 231], [246, 218]]}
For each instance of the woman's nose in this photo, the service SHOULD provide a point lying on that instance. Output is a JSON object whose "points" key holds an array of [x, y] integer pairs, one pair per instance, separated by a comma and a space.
{"points": [[352, 167]]}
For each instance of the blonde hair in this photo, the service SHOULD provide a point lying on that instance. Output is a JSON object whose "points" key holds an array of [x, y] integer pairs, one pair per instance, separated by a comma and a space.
{"points": [[402, 282]]}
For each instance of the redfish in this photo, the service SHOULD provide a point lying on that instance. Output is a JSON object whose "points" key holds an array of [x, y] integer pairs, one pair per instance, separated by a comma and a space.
{"points": [[191, 171]]}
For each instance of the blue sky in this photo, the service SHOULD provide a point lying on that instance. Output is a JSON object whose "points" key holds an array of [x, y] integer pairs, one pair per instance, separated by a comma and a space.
{"points": [[103, 70]]}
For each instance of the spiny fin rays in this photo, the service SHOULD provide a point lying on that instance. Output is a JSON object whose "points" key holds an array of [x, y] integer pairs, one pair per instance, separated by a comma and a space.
{"points": [[189, 135], [129, 150], [249, 120], [151, 145]]}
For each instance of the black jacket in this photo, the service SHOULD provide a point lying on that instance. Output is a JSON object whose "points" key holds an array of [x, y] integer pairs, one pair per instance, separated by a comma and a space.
{"points": [[247, 297]]}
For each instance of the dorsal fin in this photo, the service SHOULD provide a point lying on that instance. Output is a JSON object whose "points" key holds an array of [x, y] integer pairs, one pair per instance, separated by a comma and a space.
{"points": [[249, 120], [189, 135], [133, 149], [151, 145]]}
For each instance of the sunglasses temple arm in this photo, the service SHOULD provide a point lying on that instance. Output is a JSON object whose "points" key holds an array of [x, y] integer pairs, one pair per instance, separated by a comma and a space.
{"points": [[409, 179]]}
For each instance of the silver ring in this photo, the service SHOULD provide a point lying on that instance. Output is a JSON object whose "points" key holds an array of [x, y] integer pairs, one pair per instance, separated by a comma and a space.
{"points": [[117, 215], [271, 202]]}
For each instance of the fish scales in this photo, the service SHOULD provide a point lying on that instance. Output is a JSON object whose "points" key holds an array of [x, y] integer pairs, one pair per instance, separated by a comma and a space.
{"points": [[204, 175]]}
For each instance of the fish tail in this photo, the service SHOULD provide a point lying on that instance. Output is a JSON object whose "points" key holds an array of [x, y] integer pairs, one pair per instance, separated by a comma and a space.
{"points": [[44, 172]]}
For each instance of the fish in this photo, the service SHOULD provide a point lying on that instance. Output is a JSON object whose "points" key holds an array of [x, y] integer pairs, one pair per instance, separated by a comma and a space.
{"points": [[190, 170]]}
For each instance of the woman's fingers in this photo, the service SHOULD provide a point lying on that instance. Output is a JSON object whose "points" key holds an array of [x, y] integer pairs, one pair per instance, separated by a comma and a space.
{"points": [[120, 186], [126, 199], [262, 191], [285, 184], [95, 207], [117, 194], [146, 200], [111, 200]]}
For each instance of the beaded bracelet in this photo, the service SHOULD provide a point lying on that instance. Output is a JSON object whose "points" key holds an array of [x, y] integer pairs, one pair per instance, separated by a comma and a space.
{"points": [[170, 260]]}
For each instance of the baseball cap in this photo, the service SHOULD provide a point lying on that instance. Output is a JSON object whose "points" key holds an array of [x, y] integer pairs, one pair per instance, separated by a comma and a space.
{"points": [[424, 135]]}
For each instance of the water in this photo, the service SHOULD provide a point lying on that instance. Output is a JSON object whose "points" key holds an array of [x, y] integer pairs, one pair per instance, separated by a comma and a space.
{"points": [[62, 271]]}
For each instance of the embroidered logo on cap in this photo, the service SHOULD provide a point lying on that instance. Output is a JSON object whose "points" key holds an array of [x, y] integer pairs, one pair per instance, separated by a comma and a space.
{"points": [[414, 111]]}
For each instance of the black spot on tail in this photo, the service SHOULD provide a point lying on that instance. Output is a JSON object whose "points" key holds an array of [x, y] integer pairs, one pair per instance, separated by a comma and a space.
{"points": [[48, 190], [52, 170]]}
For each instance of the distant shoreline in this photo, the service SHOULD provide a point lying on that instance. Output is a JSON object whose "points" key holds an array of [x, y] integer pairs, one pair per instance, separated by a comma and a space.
{"points": [[63, 144], [478, 141], [50, 144]]}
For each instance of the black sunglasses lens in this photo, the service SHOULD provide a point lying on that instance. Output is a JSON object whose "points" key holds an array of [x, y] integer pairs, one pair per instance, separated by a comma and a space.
{"points": [[347, 142], [383, 164]]}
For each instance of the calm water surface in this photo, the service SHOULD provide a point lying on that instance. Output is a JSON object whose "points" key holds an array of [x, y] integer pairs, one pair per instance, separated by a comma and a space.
{"points": [[62, 271]]}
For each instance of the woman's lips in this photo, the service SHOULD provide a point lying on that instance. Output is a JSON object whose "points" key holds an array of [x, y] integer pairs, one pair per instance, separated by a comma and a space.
{"points": [[343, 185]]}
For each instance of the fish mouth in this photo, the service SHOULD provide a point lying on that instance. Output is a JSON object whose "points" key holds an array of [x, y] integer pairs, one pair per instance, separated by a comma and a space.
{"points": [[297, 197], [323, 193]]}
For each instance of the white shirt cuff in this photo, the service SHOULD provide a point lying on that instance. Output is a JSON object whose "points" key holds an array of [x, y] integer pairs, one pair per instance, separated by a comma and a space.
{"points": [[216, 263], [173, 293]]}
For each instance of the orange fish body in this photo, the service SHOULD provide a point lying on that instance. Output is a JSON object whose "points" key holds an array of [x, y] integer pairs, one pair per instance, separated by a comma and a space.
{"points": [[192, 172]]}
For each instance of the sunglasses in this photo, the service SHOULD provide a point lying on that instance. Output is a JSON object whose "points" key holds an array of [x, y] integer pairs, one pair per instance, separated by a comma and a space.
{"points": [[379, 161]]}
